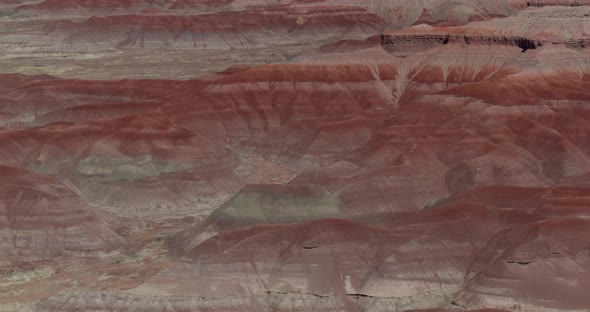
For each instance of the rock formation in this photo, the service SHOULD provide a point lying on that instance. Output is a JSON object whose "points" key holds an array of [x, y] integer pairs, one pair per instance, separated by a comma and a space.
{"points": [[42, 218], [300, 155]]}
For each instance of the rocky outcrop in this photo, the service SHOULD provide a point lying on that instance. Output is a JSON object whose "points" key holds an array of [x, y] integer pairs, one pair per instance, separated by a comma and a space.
{"points": [[394, 42], [543, 3], [537, 28]]}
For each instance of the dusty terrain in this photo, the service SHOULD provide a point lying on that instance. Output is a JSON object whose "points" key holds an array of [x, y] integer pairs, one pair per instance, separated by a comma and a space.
{"points": [[294, 155]]}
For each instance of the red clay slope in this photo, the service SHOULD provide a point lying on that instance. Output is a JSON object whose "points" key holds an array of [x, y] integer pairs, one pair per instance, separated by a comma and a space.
{"points": [[443, 166], [41, 218]]}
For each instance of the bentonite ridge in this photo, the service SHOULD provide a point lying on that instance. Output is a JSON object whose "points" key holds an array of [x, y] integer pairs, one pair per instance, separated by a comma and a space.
{"points": [[294, 155]]}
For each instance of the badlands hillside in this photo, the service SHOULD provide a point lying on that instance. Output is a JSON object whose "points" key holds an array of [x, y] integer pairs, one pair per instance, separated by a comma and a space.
{"points": [[294, 155]]}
